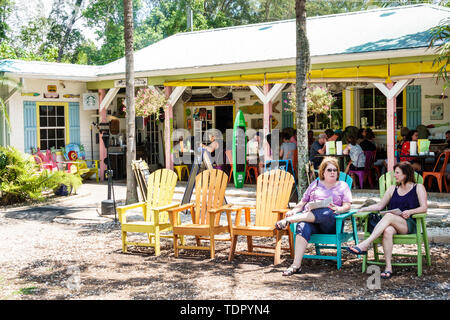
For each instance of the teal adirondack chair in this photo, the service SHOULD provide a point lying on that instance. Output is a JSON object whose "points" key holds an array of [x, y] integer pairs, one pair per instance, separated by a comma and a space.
{"points": [[333, 241], [418, 238]]}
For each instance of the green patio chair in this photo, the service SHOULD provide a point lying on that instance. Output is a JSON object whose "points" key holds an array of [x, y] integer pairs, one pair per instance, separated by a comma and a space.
{"points": [[335, 240], [418, 238]]}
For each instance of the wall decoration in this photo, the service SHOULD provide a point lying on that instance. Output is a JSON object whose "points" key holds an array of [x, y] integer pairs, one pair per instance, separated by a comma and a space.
{"points": [[51, 88], [90, 101], [258, 108], [71, 96], [51, 95], [437, 111], [30, 94]]}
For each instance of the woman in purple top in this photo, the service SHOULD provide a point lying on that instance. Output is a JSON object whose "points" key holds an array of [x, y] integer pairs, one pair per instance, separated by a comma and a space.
{"points": [[410, 198], [319, 220]]}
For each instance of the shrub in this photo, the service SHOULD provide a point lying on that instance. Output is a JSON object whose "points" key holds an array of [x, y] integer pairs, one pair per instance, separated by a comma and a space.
{"points": [[20, 181]]}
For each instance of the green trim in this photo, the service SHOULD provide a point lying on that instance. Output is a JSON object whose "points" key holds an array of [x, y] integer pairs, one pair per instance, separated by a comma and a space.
{"points": [[104, 84]]}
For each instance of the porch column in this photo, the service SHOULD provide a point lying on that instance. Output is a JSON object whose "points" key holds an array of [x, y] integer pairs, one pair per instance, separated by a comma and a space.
{"points": [[102, 148], [391, 91], [168, 128], [267, 117]]}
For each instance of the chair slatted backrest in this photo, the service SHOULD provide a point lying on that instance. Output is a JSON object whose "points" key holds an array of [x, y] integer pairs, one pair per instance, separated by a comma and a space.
{"points": [[273, 191], [388, 179], [443, 164], [210, 188], [160, 189]]}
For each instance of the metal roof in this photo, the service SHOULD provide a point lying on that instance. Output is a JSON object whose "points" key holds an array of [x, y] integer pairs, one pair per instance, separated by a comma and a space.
{"points": [[381, 31]]}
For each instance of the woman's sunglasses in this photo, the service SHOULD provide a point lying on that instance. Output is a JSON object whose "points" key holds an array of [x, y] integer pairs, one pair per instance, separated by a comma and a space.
{"points": [[332, 170]]}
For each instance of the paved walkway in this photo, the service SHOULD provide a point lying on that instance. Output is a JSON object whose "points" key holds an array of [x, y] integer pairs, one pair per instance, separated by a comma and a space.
{"points": [[90, 195]]}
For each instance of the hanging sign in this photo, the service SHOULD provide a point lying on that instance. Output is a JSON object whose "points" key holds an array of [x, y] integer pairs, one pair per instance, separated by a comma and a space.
{"points": [[90, 101], [138, 82], [51, 88]]}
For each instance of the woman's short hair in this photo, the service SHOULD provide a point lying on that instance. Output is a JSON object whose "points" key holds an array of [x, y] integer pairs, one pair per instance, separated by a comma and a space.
{"points": [[407, 170], [409, 135], [325, 162]]}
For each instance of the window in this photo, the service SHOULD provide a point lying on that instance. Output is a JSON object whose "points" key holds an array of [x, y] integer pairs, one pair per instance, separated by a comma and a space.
{"points": [[52, 129], [373, 109], [333, 120]]}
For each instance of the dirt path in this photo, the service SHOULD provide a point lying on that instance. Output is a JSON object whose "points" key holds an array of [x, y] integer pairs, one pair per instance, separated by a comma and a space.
{"points": [[68, 252]]}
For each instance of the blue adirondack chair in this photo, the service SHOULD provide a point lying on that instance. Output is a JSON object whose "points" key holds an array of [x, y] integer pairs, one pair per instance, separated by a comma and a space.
{"points": [[333, 241]]}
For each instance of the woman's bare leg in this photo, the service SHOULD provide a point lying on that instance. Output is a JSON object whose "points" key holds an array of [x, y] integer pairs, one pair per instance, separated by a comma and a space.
{"points": [[388, 244], [300, 248]]}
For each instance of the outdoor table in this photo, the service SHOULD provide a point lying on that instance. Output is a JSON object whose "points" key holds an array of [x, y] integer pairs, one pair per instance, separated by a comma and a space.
{"points": [[421, 158], [340, 157]]}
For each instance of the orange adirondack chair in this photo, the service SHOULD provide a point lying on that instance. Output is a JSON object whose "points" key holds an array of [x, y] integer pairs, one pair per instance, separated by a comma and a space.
{"points": [[439, 175], [210, 188], [272, 196]]}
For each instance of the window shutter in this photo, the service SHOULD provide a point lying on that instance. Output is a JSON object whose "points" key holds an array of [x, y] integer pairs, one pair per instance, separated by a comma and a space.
{"points": [[74, 122], [287, 119], [30, 125], [413, 107]]}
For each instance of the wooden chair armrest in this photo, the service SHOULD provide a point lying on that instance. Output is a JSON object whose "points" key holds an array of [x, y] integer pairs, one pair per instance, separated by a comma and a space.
{"points": [[280, 210], [182, 207], [419, 215], [222, 208], [166, 207], [122, 210]]}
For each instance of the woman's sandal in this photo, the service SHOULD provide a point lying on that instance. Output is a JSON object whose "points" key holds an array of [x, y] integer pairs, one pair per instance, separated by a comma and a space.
{"points": [[388, 275], [291, 270], [282, 224]]}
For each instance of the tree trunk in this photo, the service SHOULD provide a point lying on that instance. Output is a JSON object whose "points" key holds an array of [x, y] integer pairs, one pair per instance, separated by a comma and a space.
{"points": [[65, 38], [302, 68], [131, 112]]}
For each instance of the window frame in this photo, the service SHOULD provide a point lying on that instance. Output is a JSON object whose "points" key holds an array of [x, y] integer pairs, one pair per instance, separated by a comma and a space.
{"points": [[66, 120]]}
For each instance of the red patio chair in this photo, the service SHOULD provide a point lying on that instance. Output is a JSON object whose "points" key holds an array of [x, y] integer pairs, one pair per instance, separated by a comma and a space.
{"points": [[438, 174]]}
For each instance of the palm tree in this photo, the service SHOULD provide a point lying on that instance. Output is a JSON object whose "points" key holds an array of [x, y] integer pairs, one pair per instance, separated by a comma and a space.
{"points": [[302, 68], [441, 34], [131, 112], [15, 86]]}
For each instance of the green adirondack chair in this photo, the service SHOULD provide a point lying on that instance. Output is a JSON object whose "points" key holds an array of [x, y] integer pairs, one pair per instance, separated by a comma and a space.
{"points": [[418, 238], [335, 240]]}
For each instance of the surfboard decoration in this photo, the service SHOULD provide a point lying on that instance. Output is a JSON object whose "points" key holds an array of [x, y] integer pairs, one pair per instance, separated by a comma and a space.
{"points": [[30, 94], [71, 96], [239, 150]]}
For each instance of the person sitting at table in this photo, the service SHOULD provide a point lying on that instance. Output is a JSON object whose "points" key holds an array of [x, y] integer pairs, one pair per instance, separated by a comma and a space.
{"points": [[310, 138], [412, 135], [361, 135], [287, 148], [406, 195], [321, 219], [318, 147], [331, 135], [357, 158], [368, 142], [447, 139]]}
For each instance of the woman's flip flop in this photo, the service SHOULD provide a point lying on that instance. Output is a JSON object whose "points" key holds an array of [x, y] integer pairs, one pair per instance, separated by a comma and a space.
{"points": [[388, 275], [357, 252]]}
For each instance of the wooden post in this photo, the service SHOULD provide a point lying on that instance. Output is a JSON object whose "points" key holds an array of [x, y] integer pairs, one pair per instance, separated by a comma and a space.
{"points": [[267, 118], [168, 128], [391, 127], [102, 148]]}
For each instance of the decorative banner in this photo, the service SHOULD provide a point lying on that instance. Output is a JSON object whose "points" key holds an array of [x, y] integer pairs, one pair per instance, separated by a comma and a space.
{"points": [[138, 82], [90, 101], [71, 95]]}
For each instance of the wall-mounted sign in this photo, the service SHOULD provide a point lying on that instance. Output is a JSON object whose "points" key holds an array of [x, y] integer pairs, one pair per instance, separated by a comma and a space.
{"points": [[51, 88], [138, 82], [90, 101]]}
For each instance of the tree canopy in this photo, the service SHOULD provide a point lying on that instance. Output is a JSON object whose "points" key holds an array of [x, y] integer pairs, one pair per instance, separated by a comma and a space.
{"points": [[60, 33]]}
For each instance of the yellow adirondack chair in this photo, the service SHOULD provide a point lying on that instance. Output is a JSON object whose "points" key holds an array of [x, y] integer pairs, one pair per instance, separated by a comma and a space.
{"points": [[272, 196], [160, 189], [210, 188]]}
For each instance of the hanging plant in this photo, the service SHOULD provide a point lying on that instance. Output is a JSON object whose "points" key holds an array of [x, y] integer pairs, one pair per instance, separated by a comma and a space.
{"points": [[149, 101], [318, 100]]}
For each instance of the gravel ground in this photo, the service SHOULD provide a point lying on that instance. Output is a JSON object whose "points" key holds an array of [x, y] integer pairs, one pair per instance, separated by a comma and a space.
{"points": [[68, 252]]}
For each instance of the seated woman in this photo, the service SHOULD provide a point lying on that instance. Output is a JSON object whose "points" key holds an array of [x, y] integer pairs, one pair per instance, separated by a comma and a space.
{"points": [[319, 220], [412, 135], [410, 198]]}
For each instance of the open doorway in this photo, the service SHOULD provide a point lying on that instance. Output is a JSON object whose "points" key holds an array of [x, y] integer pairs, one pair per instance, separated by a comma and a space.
{"points": [[224, 118]]}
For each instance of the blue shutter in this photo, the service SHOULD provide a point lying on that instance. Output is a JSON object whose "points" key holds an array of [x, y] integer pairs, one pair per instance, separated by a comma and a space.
{"points": [[413, 107], [30, 125], [287, 119], [74, 122]]}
